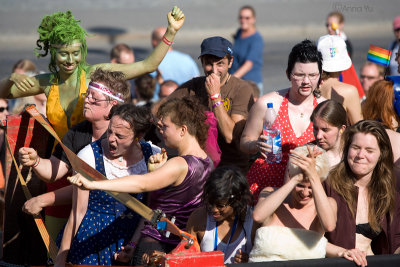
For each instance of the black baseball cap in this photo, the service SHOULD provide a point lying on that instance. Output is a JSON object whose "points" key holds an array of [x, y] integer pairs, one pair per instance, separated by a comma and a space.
{"points": [[216, 46]]}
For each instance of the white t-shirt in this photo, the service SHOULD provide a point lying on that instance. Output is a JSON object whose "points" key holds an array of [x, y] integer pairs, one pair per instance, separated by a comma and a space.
{"points": [[112, 169]]}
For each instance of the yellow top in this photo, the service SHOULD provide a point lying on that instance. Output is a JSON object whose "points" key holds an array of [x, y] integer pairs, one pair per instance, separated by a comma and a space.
{"points": [[56, 115]]}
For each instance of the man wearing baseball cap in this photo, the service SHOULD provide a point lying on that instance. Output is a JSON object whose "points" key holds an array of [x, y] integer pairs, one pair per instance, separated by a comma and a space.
{"points": [[227, 97]]}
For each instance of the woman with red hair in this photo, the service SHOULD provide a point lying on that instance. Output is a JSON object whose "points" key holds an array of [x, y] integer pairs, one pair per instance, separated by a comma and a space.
{"points": [[379, 105]]}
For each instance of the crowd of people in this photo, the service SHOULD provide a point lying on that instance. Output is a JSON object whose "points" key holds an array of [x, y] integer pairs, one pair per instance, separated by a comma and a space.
{"points": [[194, 147]]}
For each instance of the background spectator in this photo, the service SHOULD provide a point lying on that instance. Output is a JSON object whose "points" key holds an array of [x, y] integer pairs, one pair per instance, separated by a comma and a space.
{"points": [[335, 59], [335, 19], [145, 87], [394, 47], [370, 73], [248, 49]]}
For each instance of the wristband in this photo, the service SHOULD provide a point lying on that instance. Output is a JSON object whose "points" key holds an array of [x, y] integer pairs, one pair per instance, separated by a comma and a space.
{"points": [[217, 104], [166, 41], [36, 163], [215, 96], [132, 244]]}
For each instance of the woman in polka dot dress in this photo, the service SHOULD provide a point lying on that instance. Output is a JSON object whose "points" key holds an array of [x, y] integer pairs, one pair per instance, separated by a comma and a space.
{"points": [[99, 225]]}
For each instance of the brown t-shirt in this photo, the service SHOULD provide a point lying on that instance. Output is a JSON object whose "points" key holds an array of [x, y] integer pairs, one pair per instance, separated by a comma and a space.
{"points": [[238, 99]]}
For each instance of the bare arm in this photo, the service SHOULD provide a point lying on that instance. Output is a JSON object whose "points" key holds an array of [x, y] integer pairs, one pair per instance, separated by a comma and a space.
{"points": [[48, 170], [60, 196], [176, 19], [267, 206], [356, 255], [197, 222], [171, 173], [252, 140], [245, 68], [79, 207], [20, 85], [326, 207], [226, 123]]}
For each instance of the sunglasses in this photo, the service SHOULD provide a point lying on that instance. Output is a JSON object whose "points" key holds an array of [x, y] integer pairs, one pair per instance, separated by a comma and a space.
{"points": [[3, 108]]}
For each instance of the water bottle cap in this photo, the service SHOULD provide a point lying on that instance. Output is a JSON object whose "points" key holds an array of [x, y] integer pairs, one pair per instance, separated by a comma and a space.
{"points": [[270, 105]]}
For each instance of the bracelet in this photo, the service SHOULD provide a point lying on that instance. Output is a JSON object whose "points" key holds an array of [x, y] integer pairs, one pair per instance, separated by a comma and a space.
{"points": [[215, 96], [36, 163], [166, 41], [132, 244], [217, 104]]}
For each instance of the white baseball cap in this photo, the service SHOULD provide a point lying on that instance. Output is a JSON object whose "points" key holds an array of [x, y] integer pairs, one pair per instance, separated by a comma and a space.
{"points": [[335, 57]]}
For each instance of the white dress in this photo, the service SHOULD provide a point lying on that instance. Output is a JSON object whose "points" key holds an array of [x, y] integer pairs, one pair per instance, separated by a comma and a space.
{"points": [[278, 243]]}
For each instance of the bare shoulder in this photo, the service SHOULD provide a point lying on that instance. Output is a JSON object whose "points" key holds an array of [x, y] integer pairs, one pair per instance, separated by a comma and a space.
{"points": [[178, 161], [394, 140], [275, 97], [321, 99], [176, 166], [346, 90]]}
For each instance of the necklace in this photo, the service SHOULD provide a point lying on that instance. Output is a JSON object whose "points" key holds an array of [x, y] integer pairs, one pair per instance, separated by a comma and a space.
{"points": [[227, 79], [301, 115], [230, 238], [120, 159]]}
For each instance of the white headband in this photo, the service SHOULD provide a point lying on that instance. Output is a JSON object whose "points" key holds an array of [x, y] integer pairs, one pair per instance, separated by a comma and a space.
{"points": [[105, 90]]}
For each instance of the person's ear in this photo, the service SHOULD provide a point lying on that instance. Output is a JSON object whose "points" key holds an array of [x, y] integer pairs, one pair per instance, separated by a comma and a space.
{"points": [[113, 102], [184, 130], [230, 63], [342, 129]]}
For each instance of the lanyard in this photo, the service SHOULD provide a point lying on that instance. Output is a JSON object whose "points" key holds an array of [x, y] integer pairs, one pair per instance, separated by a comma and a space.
{"points": [[229, 241]]}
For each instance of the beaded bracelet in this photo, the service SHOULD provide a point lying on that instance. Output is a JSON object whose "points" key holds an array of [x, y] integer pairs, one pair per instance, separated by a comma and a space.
{"points": [[217, 104], [215, 96], [166, 41], [36, 163], [132, 244]]}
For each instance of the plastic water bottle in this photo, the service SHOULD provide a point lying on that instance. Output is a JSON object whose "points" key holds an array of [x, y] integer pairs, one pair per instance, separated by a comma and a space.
{"points": [[273, 133]]}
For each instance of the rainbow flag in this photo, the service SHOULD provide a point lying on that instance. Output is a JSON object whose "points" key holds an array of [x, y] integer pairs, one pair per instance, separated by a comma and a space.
{"points": [[379, 55]]}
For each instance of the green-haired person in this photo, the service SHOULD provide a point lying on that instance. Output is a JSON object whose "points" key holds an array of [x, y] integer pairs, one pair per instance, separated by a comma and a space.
{"points": [[61, 36]]}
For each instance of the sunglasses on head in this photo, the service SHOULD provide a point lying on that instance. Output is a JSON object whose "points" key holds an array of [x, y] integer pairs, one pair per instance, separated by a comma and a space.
{"points": [[3, 108]]}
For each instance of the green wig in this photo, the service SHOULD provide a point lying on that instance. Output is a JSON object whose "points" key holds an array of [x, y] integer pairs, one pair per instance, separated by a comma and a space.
{"points": [[60, 28]]}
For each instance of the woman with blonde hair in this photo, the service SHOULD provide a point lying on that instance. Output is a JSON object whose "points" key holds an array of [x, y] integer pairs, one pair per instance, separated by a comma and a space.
{"points": [[379, 105], [295, 217]]}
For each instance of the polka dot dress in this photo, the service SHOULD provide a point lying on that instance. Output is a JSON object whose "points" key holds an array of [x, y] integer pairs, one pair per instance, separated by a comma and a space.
{"points": [[265, 174], [107, 224]]}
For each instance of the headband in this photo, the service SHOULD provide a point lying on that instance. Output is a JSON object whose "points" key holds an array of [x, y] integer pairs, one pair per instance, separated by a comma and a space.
{"points": [[105, 90], [64, 45]]}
